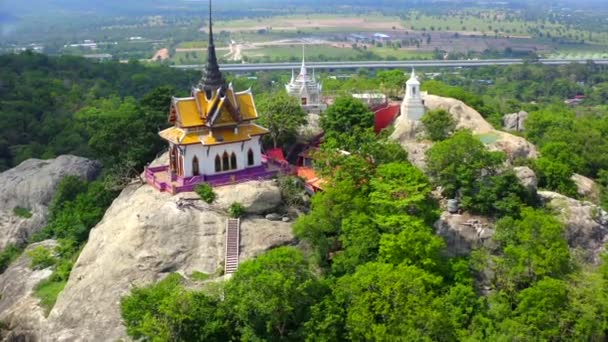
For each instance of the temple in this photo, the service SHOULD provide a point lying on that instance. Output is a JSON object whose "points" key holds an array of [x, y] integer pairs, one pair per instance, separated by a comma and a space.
{"points": [[412, 106], [213, 138], [306, 89]]}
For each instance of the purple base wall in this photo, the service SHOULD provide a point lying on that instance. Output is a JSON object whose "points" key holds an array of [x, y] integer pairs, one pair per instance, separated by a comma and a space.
{"points": [[188, 184]]}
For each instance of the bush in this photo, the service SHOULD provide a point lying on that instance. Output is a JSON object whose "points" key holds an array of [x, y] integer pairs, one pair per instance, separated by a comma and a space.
{"points": [[236, 210], [41, 257], [22, 212], [205, 191], [48, 290], [438, 124], [8, 255]]}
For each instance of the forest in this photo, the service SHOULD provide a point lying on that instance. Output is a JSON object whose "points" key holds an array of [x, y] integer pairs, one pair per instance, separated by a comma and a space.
{"points": [[369, 264]]}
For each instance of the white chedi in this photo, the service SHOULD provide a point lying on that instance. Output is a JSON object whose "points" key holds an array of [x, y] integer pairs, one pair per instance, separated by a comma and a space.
{"points": [[412, 106]]}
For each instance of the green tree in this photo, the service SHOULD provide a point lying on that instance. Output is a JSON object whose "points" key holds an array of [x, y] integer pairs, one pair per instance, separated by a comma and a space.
{"points": [[438, 124], [385, 303], [166, 311], [270, 297], [345, 115], [533, 247], [282, 115]]}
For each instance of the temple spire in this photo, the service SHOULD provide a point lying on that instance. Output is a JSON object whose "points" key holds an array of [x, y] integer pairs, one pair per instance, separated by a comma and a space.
{"points": [[212, 77], [303, 68]]}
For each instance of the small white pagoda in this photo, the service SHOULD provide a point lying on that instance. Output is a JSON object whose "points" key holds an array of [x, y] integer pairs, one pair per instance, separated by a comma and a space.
{"points": [[306, 89], [412, 106]]}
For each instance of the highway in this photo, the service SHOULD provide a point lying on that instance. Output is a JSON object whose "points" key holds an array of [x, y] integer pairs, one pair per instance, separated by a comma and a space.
{"points": [[385, 64]]}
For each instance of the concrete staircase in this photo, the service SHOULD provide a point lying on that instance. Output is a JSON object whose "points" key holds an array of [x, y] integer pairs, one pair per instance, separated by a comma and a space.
{"points": [[233, 232]]}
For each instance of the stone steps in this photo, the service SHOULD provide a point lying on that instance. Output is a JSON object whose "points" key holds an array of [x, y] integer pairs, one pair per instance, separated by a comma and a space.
{"points": [[231, 261]]}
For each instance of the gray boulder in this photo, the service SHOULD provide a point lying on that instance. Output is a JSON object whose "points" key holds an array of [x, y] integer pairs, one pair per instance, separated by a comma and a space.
{"points": [[586, 224], [144, 236], [515, 121], [23, 318], [463, 233], [527, 178], [586, 188], [257, 197], [31, 186]]}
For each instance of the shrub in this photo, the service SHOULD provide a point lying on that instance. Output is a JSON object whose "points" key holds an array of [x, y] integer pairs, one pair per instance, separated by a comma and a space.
{"points": [[236, 210], [438, 124], [48, 290], [41, 257], [22, 212], [205, 191], [8, 255], [199, 276]]}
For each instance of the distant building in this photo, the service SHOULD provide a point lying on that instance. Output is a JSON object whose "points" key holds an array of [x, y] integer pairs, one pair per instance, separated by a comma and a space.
{"points": [[306, 89], [381, 36], [102, 57], [412, 106], [371, 99]]}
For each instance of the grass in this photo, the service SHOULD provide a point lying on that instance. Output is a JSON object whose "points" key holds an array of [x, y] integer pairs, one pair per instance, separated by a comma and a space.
{"points": [[48, 291], [22, 212], [199, 276]]}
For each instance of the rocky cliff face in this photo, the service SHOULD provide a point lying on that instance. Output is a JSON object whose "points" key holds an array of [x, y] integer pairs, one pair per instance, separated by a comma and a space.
{"points": [[31, 186], [586, 224], [143, 236], [20, 313], [408, 133], [586, 227]]}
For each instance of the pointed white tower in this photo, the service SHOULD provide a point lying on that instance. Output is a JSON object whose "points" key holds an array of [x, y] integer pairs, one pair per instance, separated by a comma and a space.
{"points": [[305, 88], [412, 106]]}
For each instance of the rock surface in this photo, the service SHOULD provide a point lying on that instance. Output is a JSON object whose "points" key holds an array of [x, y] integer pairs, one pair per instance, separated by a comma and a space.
{"points": [[19, 309], [31, 185], [408, 132], [257, 197], [527, 177], [463, 233], [586, 223], [586, 188], [515, 121], [143, 236]]}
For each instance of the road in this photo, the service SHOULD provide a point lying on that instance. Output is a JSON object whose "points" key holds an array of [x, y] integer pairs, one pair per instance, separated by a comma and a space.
{"points": [[384, 64]]}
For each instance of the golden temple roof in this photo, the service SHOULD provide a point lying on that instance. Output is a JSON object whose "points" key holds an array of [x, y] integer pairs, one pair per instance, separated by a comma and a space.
{"points": [[227, 110], [221, 135]]}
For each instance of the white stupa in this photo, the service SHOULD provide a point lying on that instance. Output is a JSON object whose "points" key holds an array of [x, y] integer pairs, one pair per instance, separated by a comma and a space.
{"points": [[305, 87], [412, 106]]}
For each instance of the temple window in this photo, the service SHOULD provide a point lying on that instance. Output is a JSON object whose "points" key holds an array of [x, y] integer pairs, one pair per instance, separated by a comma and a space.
{"points": [[250, 160], [232, 161], [218, 164], [225, 162], [195, 169]]}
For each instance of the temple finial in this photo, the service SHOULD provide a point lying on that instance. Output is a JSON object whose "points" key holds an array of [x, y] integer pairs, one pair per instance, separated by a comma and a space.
{"points": [[212, 77], [303, 68]]}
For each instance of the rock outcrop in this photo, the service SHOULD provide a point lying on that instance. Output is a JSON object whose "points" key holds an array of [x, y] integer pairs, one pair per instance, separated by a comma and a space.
{"points": [[463, 233], [408, 132], [527, 178], [515, 121], [31, 186], [586, 188], [144, 236], [20, 313], [586, 223], [257, 197]]}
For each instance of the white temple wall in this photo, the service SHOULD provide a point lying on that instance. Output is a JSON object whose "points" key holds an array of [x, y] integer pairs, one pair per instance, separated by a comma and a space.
{"points": [[206, 156]]}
